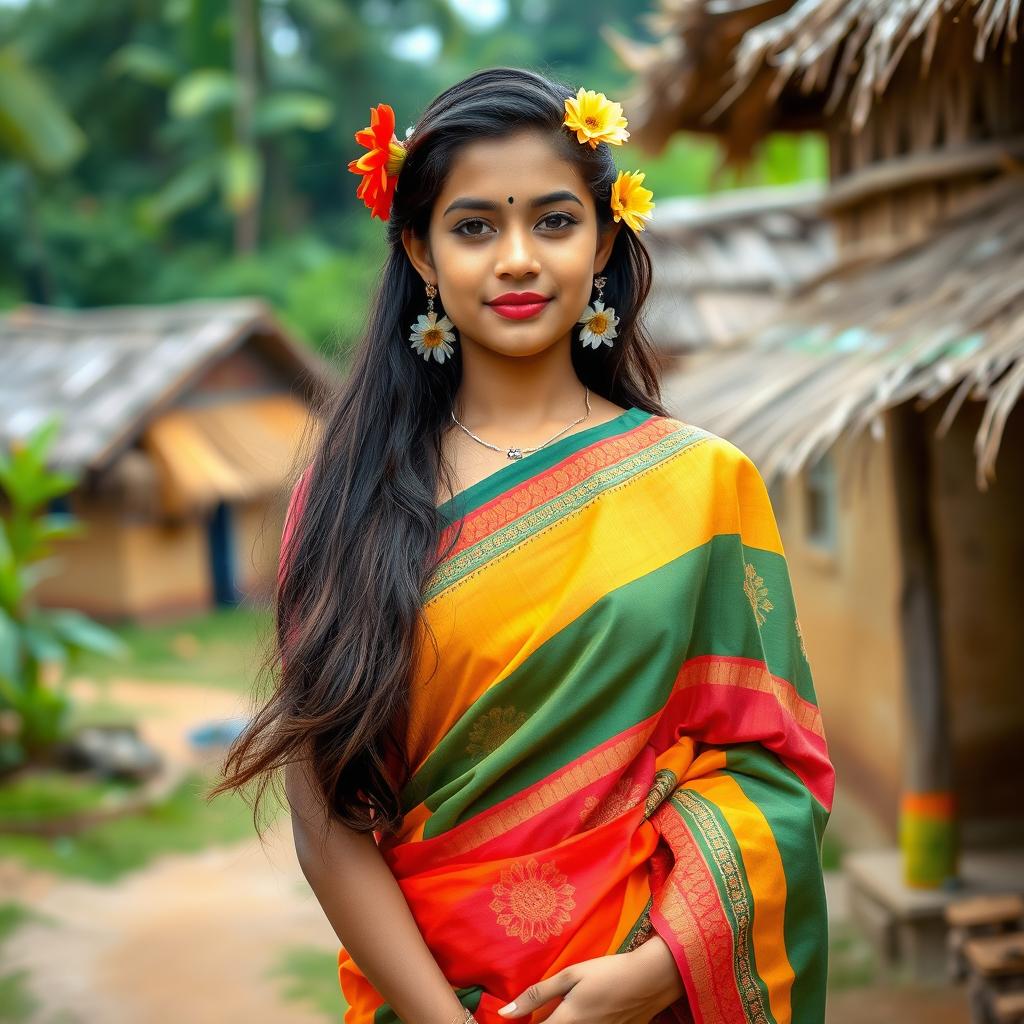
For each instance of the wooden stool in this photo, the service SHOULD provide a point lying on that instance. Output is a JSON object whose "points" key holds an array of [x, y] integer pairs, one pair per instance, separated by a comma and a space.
{"points": [[995, 965], [1008, 1007], [977, 917]]}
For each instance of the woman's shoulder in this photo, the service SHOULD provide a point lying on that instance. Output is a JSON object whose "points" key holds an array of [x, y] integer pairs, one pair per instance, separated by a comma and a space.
{"points": [[715, 454]]}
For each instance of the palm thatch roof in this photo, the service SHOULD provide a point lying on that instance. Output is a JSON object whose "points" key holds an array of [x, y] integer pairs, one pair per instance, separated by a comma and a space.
{"points": [[946, 314], [108, 372], [853, 47], [724, 262], [740, 69]]}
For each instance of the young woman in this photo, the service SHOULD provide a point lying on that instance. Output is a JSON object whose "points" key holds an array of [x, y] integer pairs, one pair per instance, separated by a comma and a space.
{"points": [[550, 731]]}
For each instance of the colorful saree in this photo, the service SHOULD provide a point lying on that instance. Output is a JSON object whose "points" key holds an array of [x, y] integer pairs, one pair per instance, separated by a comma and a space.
{"points": [[621, 736]]}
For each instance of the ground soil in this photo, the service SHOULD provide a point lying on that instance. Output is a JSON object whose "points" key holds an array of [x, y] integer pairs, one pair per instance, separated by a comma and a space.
{"points": [[188, 938]]}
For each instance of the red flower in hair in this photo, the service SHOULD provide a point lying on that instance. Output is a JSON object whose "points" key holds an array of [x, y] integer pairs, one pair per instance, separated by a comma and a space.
{"points": [[379, 166]]}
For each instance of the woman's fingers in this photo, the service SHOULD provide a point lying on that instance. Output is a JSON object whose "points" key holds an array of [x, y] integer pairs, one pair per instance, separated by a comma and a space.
{"points": [[539, 994]]}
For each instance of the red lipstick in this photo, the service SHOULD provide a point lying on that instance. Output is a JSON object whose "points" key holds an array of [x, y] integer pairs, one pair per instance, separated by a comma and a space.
{"points": [[518, 305]]}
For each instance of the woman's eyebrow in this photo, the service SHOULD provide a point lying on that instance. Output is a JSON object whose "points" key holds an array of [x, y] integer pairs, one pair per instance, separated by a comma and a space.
{"points": [[472, 203]]}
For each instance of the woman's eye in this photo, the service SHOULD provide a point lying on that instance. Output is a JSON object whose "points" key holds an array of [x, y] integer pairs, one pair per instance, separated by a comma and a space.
{"points": [[562, 220], [466, 223], [568, 220]]}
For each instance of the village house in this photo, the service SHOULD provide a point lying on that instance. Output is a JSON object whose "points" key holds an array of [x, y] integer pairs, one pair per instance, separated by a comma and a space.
{"points": [[183, 424]]}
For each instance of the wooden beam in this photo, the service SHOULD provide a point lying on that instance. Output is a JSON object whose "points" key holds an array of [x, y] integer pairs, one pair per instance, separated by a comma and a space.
{"points": [[927, 819]]}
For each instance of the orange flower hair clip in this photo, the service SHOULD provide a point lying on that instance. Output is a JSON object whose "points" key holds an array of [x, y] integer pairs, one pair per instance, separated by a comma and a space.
{"points": [[382, 162]]}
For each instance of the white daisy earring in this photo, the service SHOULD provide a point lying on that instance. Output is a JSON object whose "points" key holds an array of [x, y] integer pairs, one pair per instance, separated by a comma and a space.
{"points": [[430, 336], [598, 323]]}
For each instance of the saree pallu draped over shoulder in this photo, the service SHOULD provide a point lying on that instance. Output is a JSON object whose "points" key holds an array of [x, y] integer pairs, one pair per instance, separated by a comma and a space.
{"points": [[621, 737]]}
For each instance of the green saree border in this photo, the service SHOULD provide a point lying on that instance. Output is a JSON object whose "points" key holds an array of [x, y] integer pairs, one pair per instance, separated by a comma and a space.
{"points": [[714, 836], [501, 479], [468, 561]]}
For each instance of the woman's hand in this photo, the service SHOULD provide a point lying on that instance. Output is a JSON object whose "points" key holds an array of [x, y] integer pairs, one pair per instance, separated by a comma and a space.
{"points": [[624, 988]]}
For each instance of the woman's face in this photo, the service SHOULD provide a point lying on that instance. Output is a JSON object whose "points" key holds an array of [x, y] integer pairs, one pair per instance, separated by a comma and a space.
{"points": [[515, 217]]}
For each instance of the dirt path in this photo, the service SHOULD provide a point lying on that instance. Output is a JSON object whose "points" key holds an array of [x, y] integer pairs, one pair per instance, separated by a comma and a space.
{"points": [[190, 937], [912, 1005]]}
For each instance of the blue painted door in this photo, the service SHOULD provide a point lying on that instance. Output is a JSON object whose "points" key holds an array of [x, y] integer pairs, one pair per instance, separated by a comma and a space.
{"points": [[222, 555]]}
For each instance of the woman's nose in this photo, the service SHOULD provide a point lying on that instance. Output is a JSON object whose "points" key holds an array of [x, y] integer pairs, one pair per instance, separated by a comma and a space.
{"points": [[516, 251]]}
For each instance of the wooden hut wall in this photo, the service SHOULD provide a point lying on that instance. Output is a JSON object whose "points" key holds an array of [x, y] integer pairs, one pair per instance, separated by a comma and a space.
{"points": [[849, 610], [848, 602], [981, 560], [128, 566]]}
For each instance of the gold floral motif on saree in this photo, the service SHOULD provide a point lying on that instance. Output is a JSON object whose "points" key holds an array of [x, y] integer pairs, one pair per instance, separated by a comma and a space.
{"points": [[757, 593], [532, 901], [625, 795], [800, 637], [493, 728]]}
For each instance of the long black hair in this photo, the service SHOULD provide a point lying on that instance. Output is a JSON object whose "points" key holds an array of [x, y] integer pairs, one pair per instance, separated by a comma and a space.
{"points": [[349, 606]]}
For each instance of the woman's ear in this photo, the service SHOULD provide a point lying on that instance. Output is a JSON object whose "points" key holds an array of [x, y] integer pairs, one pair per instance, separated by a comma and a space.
{"points": [[604, 246], [418, 251]]}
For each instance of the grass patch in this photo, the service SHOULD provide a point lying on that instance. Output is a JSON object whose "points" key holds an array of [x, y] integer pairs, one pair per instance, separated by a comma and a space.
{"points": [[311, 977], [53, 794], [220, 647], [852, 961], [832, 851], [183, 823], [17, 1004]]}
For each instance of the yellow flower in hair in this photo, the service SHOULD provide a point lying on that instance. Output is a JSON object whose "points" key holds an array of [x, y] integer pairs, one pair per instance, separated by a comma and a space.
{"points": [[630, 201], [595, 119]]}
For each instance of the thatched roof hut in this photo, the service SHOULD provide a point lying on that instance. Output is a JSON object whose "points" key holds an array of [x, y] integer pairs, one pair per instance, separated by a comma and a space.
{"points": [[945, 314], [920, 102], [740, 70], [183, 424], [109, 371]]}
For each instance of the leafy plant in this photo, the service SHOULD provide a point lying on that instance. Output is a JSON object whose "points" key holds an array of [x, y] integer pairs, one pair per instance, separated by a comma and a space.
{"points": [[33, 714], [233, 118]]}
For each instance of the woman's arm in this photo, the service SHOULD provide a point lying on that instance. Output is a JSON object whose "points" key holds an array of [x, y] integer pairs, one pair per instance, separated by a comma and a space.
{"points": [[367, 909]]}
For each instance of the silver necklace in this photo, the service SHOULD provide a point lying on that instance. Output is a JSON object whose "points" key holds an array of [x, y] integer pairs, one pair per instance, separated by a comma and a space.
{"points": [[518, 453]]}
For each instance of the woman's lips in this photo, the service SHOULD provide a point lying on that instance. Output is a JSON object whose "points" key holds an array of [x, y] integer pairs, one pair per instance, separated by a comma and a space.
{"points": [[519, 310]]}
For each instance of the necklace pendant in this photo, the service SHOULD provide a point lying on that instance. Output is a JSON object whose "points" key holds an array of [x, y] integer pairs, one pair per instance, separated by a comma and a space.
{"points": [[515, 453]]}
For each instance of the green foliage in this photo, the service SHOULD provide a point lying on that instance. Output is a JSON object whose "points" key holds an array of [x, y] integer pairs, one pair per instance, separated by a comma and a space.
{"points": [[34, 124], [184, 823], [310, 977], [34, 716], [16, 1001], [211, 170], [217, 648], [40, 796], [691, 165]]}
